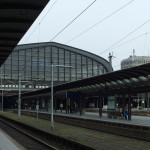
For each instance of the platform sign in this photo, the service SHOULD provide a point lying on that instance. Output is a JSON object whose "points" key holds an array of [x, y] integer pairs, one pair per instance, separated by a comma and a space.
{"points": [[72, 94], [111, 102]]}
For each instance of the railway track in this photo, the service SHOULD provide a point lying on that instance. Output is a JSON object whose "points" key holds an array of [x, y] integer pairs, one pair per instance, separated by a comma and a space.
{"points": [[28, 141], [36, 138], [68, 144]]}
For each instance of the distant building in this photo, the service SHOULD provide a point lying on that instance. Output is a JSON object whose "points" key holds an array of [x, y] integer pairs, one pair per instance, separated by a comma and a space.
{"points": [[133, 61]]}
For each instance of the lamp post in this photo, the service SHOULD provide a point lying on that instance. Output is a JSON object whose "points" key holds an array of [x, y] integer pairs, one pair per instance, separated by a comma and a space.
{"points": [[1, 89], [19, 96], [52, 119], [148, 102], [52, 107]]}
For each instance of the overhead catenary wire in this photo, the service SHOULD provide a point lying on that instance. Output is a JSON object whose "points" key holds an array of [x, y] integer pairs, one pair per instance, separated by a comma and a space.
{"points": [[125, 37], [73, 20], [100, 21], [145, 44], [141, 35], [39, 31], [131, 40], [41, 20], [69, 23], [23, 64]]}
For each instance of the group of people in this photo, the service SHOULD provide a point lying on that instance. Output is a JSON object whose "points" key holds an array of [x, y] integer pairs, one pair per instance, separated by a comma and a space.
{"points": [[125, 113]]}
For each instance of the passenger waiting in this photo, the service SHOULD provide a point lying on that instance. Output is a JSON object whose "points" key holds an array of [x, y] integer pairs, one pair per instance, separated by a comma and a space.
{"points": [[123, 112], [126, 113]]}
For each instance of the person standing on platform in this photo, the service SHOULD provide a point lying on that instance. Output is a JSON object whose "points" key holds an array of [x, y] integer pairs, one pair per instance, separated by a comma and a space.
{"points": [[122, 112], [61, 107], [126, 113]]}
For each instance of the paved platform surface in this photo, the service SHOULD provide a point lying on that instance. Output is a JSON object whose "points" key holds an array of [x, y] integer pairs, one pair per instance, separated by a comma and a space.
{"points": [[95, 139], [138, 120], [7, 143]]}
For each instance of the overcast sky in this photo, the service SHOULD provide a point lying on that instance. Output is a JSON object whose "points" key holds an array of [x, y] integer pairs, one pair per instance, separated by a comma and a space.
{"points": [[129, 27]]}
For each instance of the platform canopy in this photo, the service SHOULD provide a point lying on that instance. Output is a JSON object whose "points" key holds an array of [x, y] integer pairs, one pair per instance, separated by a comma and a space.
{"points": [[136, 78], [16, 17]]}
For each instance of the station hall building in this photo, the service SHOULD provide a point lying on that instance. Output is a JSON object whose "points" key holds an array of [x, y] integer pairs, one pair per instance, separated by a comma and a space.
{"points": [[31, 63]]}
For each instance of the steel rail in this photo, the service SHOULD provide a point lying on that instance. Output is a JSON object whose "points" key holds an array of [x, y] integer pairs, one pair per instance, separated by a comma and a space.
{"points": [[30, 136]]}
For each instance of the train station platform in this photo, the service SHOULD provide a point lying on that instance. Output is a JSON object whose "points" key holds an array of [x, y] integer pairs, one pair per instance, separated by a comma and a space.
{"points": [[135, 120], [95, 139], [142, 120]]}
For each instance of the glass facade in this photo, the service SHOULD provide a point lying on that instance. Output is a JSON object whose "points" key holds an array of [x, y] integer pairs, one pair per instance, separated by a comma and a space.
{"points": [[33, 63]]}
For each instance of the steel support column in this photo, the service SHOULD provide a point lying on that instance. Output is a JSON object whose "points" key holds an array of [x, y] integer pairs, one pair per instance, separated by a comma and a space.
{"points": [[55, 103], [129, 103], [80, 101], [100, 104]]}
